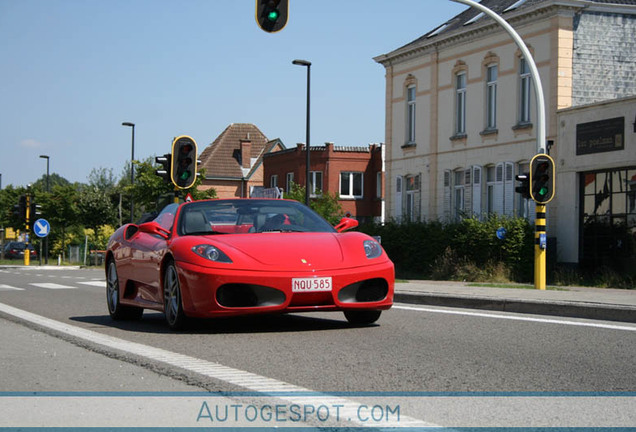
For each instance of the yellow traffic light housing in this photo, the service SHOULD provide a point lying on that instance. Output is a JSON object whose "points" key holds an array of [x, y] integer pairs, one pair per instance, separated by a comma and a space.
{"points": [[183, 169], [542, 181]]}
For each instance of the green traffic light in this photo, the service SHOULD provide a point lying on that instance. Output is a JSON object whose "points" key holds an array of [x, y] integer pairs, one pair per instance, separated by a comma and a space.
{"points": [[185, 175], [273, 15], [543, 191]]}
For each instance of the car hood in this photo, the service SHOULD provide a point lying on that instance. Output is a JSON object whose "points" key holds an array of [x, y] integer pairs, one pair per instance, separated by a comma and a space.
{"points": [[288, 250]]}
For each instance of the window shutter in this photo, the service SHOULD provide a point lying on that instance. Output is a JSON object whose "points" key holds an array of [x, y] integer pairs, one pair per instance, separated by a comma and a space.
{"points": [[468, 191], [498, 204], [447, 194], [509, 189], [477, 191], [398, 198]]}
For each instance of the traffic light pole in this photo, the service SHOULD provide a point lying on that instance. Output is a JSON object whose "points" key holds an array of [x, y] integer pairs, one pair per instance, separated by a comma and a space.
{"points": [[540, 246], [27, 252]]}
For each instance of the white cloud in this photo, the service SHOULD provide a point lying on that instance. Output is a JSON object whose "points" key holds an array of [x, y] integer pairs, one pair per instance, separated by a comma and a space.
{"points": [[30, 143]]}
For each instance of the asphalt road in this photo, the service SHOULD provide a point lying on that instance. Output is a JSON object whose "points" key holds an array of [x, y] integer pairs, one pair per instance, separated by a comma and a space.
{"points": [[412, 348]]}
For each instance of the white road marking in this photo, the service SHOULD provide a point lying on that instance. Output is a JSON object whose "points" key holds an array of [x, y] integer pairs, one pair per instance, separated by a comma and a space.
{"points": [[97, 283], [518, 318], [9, 287], [237, 377], [50, 285]]}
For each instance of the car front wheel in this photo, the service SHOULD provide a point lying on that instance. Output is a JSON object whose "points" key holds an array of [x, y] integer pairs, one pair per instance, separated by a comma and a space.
{"points": [[172, 304], [362, 317], [117, 311]]}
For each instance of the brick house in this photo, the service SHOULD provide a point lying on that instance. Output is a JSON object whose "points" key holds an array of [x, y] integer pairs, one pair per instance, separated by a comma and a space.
{"points": [[233, 163], [355, 174]]}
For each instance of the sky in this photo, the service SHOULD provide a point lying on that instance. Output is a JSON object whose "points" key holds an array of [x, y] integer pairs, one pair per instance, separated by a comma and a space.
{"points": [[71, 71]]}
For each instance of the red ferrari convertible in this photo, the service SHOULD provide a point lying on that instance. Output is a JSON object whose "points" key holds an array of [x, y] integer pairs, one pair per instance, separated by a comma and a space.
{"points": [[245, 256]]}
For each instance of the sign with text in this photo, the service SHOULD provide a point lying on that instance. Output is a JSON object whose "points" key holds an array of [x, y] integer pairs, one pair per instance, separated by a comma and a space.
{"points": [[600, 136]]}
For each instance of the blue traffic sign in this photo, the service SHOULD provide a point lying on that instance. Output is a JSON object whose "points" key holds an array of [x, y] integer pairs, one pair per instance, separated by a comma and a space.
{"points": [[41, 228], [501, 233]]}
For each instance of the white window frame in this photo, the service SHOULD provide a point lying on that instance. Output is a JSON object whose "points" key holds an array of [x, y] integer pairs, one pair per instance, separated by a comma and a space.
{"points": [[289, 180], [350, 183], [460, 103], [410, 114], [492, 72], [413, 187], [525, 83], [315, 188], [273, 181]]}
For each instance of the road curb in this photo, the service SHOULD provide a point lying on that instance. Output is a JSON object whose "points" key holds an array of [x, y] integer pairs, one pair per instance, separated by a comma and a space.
{"points": [[596, 311]]}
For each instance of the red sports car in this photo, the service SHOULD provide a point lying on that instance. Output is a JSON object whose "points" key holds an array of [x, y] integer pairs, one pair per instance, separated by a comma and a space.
{"points": [[245, 256]]}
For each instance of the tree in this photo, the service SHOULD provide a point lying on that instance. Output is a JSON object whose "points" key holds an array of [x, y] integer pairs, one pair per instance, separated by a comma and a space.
{"points": [[326, 205], [95, 209]]}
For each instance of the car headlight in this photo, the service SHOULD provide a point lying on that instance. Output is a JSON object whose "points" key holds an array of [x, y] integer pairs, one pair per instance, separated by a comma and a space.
{"points": [[372, 249], [211, 253]]}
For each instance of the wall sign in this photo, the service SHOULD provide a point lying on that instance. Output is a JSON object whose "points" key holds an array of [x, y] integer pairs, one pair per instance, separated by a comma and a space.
{"points": [[600, 136]]}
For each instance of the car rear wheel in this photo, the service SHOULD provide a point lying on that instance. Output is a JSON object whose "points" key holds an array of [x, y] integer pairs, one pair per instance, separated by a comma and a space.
{"points": [[362, 317], [172, 305], [117, 311]]}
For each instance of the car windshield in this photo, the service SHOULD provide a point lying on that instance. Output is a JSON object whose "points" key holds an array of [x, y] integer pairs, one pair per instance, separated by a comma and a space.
{"points": [[246, 216]]}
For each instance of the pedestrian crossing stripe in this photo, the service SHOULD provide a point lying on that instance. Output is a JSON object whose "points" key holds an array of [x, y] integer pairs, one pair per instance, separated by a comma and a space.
{"points": [[50, 285], [97, 283], [9, 287]]}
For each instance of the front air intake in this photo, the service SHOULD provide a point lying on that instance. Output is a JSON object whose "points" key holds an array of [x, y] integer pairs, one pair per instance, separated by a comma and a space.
{"points": [[246, 296], [370, 290]]}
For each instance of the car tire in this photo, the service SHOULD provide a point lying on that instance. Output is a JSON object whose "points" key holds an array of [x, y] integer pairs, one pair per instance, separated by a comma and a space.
{"points": [[362, 317], [172, 303], [117, 311]]}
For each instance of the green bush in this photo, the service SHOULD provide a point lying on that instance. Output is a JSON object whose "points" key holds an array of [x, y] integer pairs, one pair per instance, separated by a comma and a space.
{"points": [[465, 250]]}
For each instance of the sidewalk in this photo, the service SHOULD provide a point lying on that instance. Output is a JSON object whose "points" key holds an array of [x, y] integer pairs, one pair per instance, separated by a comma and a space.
{"points": [[580, 302]]}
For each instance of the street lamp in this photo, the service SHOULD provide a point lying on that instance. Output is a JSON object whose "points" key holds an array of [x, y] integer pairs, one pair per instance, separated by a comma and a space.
{"points": [[308, 65], [132, 168], [48, 189]]}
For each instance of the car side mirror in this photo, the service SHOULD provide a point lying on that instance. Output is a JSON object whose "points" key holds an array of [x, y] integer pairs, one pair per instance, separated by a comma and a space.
{"points": [[346, 224], [154, 228]]}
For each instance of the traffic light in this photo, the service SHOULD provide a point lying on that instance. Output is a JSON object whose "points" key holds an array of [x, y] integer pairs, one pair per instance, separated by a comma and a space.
{"points": [[183, 171], [34, 211], [524, 186], [19, 210], [271, 15], [542, 178], [164, 171]]}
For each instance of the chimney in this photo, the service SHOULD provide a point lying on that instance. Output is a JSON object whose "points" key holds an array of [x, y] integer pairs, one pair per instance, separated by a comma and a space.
{"points": [[246, 152]]}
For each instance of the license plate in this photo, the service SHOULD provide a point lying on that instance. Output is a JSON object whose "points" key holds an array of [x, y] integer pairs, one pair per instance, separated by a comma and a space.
{"points": [[311, 284]]}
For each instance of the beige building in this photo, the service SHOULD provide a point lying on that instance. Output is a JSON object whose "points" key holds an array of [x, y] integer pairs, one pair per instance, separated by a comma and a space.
{"points": [[461, 112]]}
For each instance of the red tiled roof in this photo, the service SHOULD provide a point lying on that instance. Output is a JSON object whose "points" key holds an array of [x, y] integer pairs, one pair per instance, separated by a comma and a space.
{"points": [[219, 158]]}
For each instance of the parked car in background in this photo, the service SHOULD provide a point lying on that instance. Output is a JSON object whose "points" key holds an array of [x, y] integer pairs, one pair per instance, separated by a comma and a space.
{"points": [[15, 250]]}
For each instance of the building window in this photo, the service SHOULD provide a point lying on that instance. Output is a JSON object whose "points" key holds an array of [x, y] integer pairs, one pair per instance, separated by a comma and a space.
{"points": [[350, 185], [460, 103], [525, 207], [490, 189], [524, 91], [315, 183], [608, 219], [289, 182], [491, 97], [378, 184], [458, 194], [410, 115], [273, 181], [412, 203]]}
